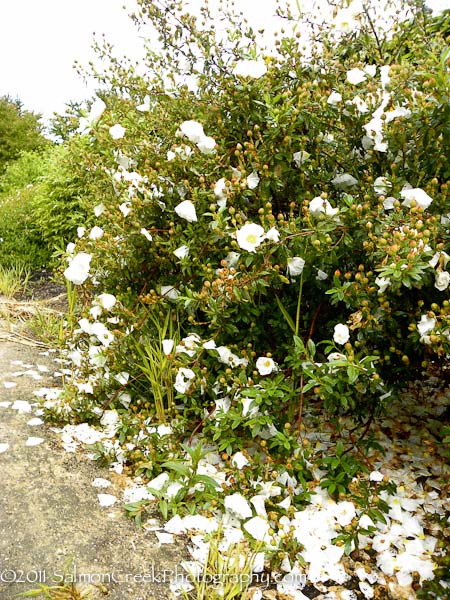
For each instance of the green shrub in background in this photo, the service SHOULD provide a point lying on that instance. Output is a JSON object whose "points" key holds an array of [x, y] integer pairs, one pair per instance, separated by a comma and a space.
{"points": [[43, 201], [21, 241]]}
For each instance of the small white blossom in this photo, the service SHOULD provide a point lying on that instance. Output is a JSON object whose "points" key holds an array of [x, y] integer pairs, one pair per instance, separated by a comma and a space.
{"points": [[78, 270], [344, 181], [81, 231], [96, 233], [442, 280], [356, 76], [250, 68], [320, 205], [265, 365], [295, 266], [183, 380], [418, 195], [186, 210], [167, 346], [253, 180], [258, 528], [181, 252], [207, 145], [300, 157], [168, 291], [250, 236], [383, 283], [341, 334], [426, 324], [238, 506], [117, 132], [273, 235], [239, 460], [106, 301], [146, 234], [334, 98], [99, 209], [125, 208], [381, 186], [192, 130]]}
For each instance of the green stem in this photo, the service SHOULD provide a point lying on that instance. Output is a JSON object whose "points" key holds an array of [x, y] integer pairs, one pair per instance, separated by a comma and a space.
{"points": [[299, 303]]}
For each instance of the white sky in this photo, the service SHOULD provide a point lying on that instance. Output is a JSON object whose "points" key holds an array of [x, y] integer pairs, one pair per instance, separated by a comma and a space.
{"points": [[41, 39]]}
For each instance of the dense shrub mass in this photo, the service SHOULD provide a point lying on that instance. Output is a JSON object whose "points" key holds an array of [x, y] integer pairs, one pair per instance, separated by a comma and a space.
{"points": [[284, 201], [266, 230]]}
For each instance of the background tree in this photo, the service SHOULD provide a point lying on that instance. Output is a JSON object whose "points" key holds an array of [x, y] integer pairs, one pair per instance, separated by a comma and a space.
{"points": [[20, 131]]}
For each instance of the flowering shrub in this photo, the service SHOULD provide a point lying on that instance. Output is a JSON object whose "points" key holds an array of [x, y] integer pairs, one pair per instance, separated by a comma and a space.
{"points": [[285, 218]]}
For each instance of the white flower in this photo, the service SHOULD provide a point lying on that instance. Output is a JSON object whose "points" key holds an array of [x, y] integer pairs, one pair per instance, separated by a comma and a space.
{"points": [[300, 157], [145, 106], [97, 109], [383, 283], [295, 266], [186, 210], [265, 365], [321, 275], [99, 209], [96, 233], [207, 145], [384, 75], [426, 324], [220, 191], [167, 346], [183, 152], [376, 476], [168, 291], [442, 280], [389, 203], [238, 506], [440, 258], [146, 234], [356, 76], [334, 98], [125, 208], [250, 236], [253, 180], [344, 513], [320, 205], [381, 186], [183, 380], [344, 181], [361, 105], [106, 301], [102, 333], [421, 198], [192, 130], [258, 528], [336, 356], [239, 460], [341, 334], [106, 499], [181, 252], [78, 270], [81, 231], [117, 131], [250, 68], [273, 235]]}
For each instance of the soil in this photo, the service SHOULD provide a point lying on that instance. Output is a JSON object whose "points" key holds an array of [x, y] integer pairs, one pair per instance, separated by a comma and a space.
{"points": [[51, 522]]}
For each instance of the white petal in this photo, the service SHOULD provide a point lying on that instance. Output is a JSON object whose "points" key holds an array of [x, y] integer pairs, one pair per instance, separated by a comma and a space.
{"points": [[106, 499]]}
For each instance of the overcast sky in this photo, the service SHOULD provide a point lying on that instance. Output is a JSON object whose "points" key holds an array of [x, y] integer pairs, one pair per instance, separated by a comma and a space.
{"points": [[41, 39]]}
